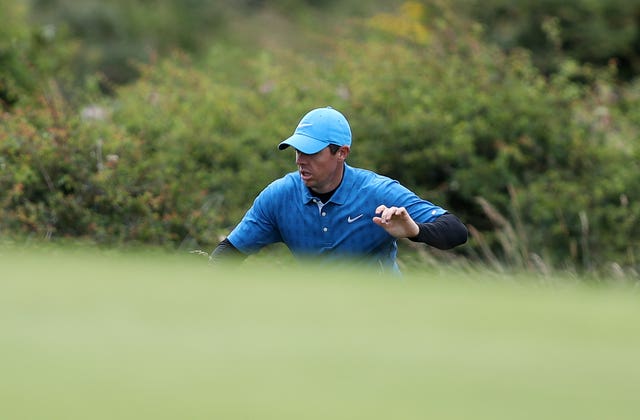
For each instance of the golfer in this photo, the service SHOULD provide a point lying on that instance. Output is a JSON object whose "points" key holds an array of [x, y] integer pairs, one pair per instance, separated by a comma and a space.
{"points": [[329, 209]]}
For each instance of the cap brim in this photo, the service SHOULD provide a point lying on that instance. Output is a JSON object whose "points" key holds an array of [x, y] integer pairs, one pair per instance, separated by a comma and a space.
{"points": [[304, 144]]}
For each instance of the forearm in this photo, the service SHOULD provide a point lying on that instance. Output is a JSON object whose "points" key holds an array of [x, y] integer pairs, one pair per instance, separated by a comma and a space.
{"points": [[446, 232]]}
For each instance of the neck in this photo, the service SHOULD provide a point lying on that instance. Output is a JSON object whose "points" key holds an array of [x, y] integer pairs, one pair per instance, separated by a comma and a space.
{"points": [[332, 185]]}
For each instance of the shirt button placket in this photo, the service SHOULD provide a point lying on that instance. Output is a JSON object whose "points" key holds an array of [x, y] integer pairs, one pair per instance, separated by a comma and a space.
{"points": [[324, 214]]}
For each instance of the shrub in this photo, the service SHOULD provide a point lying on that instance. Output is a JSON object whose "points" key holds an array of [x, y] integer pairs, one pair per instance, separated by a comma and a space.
{"points": [[591, 32], [540, 167]]}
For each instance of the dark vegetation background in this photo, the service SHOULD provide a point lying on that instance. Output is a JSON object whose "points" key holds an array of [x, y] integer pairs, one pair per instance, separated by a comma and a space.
{"points": [[156, 122]]}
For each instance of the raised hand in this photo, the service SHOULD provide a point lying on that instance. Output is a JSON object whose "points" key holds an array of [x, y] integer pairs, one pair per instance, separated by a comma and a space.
{"points": [[396, 221]]}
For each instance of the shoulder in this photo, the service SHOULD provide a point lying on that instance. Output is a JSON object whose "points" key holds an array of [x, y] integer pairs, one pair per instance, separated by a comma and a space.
{"points": [[382, 187], [364, 178]]}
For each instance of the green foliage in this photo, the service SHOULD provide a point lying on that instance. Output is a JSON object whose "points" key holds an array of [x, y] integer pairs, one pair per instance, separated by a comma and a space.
{"points": [[114, 35], [29, 55], [457, 119], [589, 31], [51, 177], [176, 158], [541, 167]]}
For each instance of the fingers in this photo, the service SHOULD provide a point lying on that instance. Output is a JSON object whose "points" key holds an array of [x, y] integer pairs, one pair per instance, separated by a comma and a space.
{"points": [[396, 221], [380, 208], [388, 213]]}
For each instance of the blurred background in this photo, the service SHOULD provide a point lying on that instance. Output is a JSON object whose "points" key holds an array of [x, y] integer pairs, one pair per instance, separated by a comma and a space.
{"points": [[155, 123]]}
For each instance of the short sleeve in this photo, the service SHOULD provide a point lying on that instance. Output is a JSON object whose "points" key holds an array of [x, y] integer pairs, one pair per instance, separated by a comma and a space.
{"points": [[420, 210], [258, 228]]}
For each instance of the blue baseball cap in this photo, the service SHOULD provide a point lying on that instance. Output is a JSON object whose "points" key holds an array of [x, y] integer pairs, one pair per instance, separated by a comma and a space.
{"points": [[318, 129]]}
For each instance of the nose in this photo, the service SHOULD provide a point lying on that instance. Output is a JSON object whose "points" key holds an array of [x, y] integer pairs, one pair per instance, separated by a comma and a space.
{"points": [[300, 157]]}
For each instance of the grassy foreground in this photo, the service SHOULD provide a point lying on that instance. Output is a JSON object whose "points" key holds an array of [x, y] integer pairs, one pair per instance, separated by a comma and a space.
{"points": [[106, 336]]}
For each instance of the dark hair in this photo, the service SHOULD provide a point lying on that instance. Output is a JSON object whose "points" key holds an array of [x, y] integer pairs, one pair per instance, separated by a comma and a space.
{"points": [[334, 148]]}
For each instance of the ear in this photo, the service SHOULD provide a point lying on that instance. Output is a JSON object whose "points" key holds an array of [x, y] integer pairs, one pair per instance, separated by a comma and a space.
{"points": [[343, 152]]}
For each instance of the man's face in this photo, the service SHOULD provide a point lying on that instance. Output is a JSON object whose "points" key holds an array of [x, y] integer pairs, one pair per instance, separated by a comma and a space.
{"points": [[322, 171]]}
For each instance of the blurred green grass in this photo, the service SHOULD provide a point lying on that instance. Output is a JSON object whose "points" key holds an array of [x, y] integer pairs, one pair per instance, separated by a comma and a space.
{"points": [[150, 336]]}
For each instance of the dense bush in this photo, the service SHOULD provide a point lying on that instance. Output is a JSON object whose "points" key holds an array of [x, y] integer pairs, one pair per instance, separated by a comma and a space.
{"points": [[595, 32], [542, 168], [459, 120], [116, 34], [31, 55]]}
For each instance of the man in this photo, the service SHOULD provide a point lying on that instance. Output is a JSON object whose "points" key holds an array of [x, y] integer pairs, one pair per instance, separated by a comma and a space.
{"points": [[330, 209]]}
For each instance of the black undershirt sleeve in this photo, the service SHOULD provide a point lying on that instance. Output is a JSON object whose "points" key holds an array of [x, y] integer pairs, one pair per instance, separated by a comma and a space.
{"points": [[446, 232], [225, 251]]}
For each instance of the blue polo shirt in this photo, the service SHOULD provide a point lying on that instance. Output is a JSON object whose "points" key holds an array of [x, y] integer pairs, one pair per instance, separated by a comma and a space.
{"points": [[285, 211]]}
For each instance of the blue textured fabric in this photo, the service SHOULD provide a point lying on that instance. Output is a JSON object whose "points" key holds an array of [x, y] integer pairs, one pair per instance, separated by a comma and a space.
{"points": [[285, 211]]}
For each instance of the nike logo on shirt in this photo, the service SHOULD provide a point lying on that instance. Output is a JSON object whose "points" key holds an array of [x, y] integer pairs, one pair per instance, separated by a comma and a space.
{"points": [[351, 220]]}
